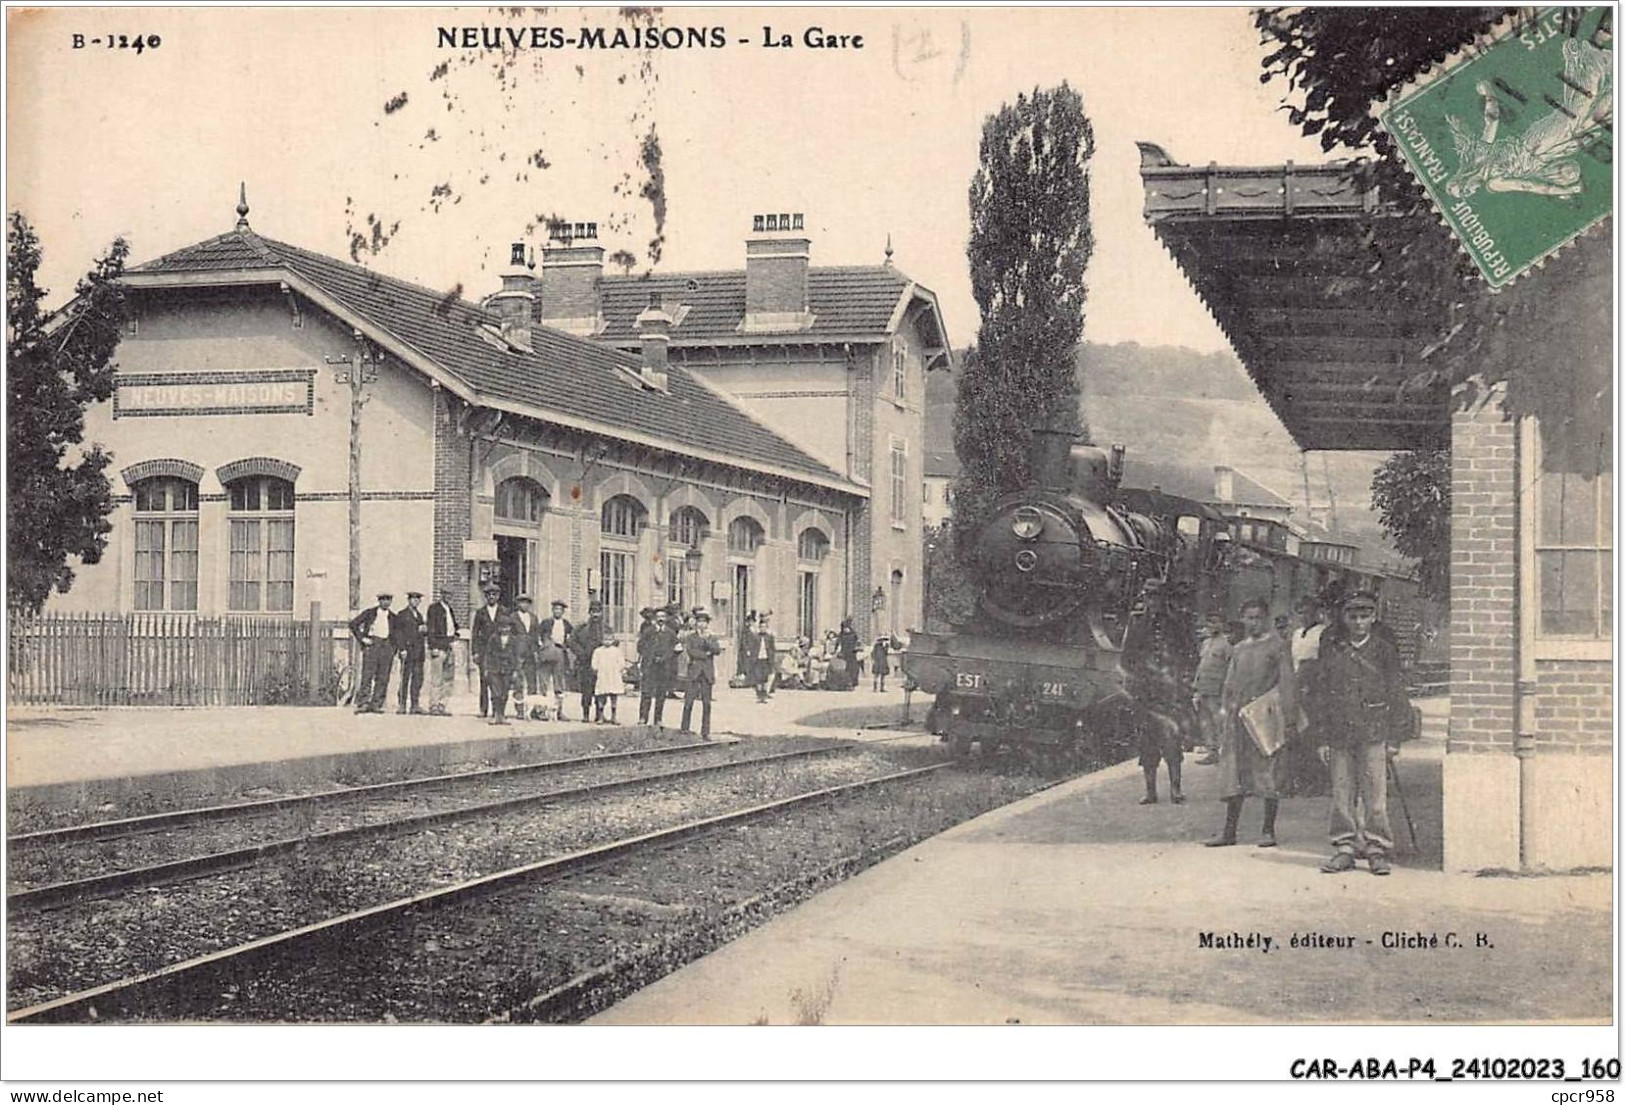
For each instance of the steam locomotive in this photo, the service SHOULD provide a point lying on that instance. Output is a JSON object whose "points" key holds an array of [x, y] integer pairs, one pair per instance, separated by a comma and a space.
{"points": [[1089, 599], [1089, 596]]}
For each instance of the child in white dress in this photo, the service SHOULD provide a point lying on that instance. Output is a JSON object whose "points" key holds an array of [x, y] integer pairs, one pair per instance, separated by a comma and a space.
{"points": [[609, 664]]}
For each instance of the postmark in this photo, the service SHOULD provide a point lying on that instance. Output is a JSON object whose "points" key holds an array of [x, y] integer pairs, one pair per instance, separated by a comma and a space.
{"points": [[1513, 138]]}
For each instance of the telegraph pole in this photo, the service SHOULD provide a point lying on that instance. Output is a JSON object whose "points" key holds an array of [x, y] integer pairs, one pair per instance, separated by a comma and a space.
{"points": [[360, 369]]}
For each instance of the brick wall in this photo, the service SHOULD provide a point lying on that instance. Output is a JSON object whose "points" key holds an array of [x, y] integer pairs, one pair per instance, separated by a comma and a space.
{"points": [[452, 507], [1483, 580], [776, 275], [1574, 710]]}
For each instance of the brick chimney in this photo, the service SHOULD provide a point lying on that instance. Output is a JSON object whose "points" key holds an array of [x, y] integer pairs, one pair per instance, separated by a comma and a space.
{"points": [[1224, 483], [572, 266], [777, 255], [514, 303], [654, 336]]}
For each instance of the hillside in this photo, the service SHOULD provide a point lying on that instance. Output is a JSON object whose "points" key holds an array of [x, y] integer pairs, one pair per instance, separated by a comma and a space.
{"points": [[1175, 404]]}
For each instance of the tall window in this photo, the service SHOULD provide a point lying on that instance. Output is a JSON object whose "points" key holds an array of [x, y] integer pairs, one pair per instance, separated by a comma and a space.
{"points": [[521, 500], [261, 525], [899, 482], [166, 544], [688, 529], [811, 548], [620, 522], [1574, 546], [622, 516], [899, 372], [745, 535]]}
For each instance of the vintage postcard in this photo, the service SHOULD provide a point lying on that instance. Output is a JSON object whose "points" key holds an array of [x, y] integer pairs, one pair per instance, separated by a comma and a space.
{"points": [[656, 518]]}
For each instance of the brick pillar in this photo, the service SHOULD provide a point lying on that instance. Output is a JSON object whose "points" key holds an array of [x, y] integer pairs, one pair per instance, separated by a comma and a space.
{"points": [[860, 558], [1481, 775], [452, 503]]}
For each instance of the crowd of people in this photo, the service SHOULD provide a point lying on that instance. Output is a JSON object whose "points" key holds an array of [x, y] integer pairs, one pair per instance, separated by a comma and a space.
{"points": [[1300, 709], [524, 659]]}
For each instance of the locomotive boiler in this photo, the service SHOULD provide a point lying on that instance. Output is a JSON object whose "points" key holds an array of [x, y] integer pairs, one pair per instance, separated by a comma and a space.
{"points": [[1088, 595]]}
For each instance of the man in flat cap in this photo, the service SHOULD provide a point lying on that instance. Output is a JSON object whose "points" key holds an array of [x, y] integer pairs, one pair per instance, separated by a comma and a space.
{"points": [[441, 628], [485, 621], [583, 644], [408, 631], [701, 648], [553, 658], [1364, 713], [525, 625], [371, 629]]}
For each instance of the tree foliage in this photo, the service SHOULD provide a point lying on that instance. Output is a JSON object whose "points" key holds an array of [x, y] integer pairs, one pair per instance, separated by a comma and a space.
{"points": [[1030, 240], [1411, 493], [1338, 63], [59, 495]]}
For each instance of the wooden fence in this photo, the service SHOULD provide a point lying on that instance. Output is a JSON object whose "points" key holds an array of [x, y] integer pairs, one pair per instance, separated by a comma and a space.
{"points": [[170, 660]]}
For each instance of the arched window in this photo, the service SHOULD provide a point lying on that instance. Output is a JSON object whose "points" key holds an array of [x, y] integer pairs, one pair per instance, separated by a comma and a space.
{"points": [[745, 535], [165, 544], [520, 499], [688, 529], [620, 522], [622, 516], [261, 524], [689, 526], [813, 545]]}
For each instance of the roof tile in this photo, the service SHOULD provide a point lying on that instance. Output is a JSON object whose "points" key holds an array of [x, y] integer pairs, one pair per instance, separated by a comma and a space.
{"points": [[563, 373]]}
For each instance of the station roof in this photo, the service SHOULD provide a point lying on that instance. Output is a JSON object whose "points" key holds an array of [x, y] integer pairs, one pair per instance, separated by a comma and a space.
{"points": [[561, 378], [851, 303], [1282, 255]]}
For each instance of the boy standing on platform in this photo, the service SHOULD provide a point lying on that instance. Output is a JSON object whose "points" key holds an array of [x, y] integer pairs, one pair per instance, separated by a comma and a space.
{"points": [[1260, 664], [485, 622], [1363, 715]]}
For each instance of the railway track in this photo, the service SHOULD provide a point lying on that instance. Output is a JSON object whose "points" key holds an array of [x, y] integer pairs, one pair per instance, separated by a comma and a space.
{"points": [[191, 867], [171, 992], [147, 823]]}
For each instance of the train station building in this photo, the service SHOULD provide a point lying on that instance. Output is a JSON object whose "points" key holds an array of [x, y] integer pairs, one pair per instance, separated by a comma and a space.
{"points": [[726, 440], [1290, 261]]}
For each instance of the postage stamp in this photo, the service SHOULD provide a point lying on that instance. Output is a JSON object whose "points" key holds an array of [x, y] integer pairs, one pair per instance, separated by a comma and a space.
{"points": [[1513, 139]]}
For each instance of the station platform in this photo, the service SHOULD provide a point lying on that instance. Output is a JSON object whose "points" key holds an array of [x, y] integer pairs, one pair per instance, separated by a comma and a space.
{"points": [[1079, 906], [135, 758]]}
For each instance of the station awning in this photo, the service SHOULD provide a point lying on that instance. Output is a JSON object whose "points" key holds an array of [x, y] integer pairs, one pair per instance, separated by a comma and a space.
{"points": [[1286, 258]]}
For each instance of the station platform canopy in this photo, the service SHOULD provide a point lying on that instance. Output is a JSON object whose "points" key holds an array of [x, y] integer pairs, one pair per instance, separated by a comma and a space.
{"points": [[1290, 260]]}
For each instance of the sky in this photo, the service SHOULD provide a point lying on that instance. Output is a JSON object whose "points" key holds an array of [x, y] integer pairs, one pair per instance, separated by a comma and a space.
{"points": [[867, 142]]}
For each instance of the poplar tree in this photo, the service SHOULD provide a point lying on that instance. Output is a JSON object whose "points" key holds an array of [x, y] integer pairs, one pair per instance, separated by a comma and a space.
{"points": [[1030, 241], [58, 492]]}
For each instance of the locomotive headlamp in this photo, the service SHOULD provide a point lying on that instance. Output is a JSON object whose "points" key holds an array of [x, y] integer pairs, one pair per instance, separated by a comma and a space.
{"points": [[1028, 523]]}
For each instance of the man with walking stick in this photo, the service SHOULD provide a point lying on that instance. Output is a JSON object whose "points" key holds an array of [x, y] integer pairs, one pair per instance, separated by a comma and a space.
{"points": [[1364, 715]]}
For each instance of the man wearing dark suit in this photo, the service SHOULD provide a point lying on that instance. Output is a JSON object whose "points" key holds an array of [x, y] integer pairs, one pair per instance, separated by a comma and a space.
{"points": [[372, 630], [553, 656], [657, 658], [701, 648], [587, 638], [406, 629], [442, 630], [762, 655], [485, 621]]}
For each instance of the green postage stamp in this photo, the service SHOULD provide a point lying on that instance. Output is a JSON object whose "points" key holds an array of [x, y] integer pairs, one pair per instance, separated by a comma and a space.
{"points": [[1513, 137]]}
